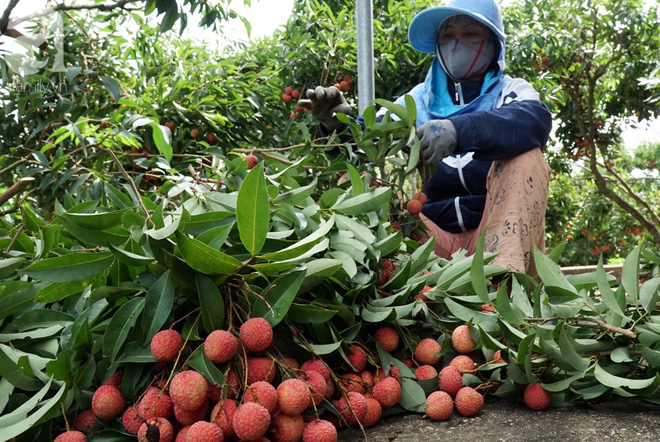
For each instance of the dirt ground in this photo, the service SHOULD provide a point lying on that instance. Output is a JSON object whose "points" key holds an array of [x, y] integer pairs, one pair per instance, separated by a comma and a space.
{"points": [[510, 420]]}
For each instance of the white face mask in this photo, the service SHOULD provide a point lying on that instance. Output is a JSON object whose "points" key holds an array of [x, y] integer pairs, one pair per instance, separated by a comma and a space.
{"points": [[462, 59]]}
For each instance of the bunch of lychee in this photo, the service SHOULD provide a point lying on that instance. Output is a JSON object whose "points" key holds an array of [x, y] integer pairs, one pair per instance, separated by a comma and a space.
{"points": [[414, 206], [290, 95]]}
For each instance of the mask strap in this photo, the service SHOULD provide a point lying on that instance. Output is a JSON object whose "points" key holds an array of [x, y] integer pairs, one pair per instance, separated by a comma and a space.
{"points": [[476, 57]]}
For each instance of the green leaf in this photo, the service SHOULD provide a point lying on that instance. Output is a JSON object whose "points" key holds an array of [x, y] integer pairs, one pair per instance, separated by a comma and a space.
{"points": [[318, 271], [477, 270], [60, 290], [390, 244], [120, 325], [302, 246], [278, 297], [630, 274], [358, 229], [157, 306], [253, 210], [553, 278], [96, 221], [364, 203], [394, 108], [20, 427], [606, 293], [413, 397], [649, 294], [112, 86], [205, 259], [297, 195], [160, 135], [568, 351], [321, 349], [208, 369], [356, 181], [420, 257], [610, 380], [129, 258], [309, 313], [211, 303], [509, 312], [70, 267], [13, 372]]}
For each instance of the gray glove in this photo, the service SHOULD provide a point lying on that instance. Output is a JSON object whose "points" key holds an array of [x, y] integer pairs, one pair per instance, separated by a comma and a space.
{"points": [[437, 139], [324, 102]]}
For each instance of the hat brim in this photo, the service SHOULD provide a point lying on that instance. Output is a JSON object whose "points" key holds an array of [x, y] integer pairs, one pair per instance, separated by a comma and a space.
{"points": [[423, 29]]}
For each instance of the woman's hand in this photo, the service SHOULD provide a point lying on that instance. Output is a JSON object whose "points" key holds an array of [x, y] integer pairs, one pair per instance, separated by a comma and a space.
{"points": [[324, 103]]}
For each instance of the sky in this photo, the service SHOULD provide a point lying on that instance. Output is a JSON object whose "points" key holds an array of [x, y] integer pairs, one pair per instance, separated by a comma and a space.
{"points": [[265, 16]]}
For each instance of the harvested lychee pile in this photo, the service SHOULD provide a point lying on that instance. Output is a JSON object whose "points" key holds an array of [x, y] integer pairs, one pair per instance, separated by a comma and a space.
{"points": [[245, 388]]}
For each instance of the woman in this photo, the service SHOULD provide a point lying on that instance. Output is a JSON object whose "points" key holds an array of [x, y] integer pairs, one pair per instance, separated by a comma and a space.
{"points": [[483, 129]]}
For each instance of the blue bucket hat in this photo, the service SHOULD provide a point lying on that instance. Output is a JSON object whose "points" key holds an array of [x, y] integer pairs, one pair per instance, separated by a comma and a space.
{"points": [[423, 30]]}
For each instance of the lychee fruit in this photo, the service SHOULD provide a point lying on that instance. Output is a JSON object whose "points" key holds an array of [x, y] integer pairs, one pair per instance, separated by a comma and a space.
{"points": [[354, 409], [131, 420], [107, 402], [252, 161], [166, 345], [262, 393], [287, 428], [426, 350], [357, 358], [260, 369], [71, 436], [293, 396], [421, 197], [536, 397], [190, 417], [352, 382], [223, 414], [210, 137], [488, 308], [387, 338], [295, 94], [387, 391], [425, 372], [231, 383], [317, 386], [155, 403], [461, 339], [163, 428], [115, 379], [497, 357], [194, 133], [374, 411], [414, 207], [256, 334], [251, 421], [188, 390], [393, 372], [182, 435], [84, 420], [408, 363], [289, 363], [439, 406], [170, 125], [469, 401], [320, 431], [287, 98], [464, 363], [220, 346], [204, 432], [316, 365], [368, 378], [450, 380]]}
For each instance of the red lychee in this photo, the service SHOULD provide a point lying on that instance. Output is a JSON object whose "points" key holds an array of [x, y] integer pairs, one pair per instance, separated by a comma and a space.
{"points": [[170, 125], [374, 411], [256, 334], [468, 401], [354, 409], [287, 428], [251, 421], [387, 391], [287, 98], [387, 338], [316, 365], [464, 363], [210, 137], [252, 161], [414, 207], [165, 430], [320, 431], [190, 417], [194, 133], [204, 432], [115, 379], [220, 346], [439, 406], [450, 380], [497, 357], [107, 402], [317, 386], [222, 416], [262, 393], [357, 358], [166, 345], [84, 420], [426, 350], [293, 396], [426, 372], [461, 339], [188, 390], [131, 420], [295, 94], [71, 436], [260, 369], [421, 197], [537, 398], [155, 403], [352, 382], [368, 378]]}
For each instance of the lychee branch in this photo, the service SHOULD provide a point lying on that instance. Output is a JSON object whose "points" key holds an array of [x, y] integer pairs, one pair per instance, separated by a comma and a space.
{"points": [[590, 323]]}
